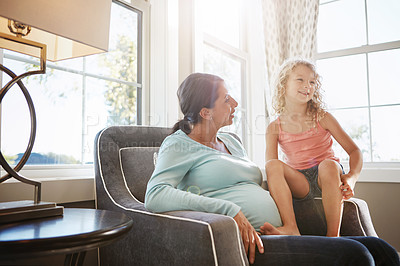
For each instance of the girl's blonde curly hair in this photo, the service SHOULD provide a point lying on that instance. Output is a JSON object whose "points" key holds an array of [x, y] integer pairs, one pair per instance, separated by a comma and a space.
{"points": [[315, 107]]}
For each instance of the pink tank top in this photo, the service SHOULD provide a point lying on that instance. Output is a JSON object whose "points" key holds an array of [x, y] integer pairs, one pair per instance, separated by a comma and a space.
{"points": [[307, 149]]}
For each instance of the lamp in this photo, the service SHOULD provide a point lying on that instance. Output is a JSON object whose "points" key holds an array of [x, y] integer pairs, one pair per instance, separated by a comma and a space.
{"points": [[49, 30]]}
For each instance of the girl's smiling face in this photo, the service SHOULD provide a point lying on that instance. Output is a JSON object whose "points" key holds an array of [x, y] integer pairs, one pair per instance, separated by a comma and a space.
{"points": [[300, 86]]}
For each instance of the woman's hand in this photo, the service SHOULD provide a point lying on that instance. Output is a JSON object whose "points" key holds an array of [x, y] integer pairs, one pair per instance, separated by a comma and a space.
{"points": [[249, 236], [347, 187]]}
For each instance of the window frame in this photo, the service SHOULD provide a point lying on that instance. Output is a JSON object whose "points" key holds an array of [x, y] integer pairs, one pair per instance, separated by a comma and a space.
{"points": [[139, 82], [372, 171], [78, 171], [241, 57], [239, 54]]}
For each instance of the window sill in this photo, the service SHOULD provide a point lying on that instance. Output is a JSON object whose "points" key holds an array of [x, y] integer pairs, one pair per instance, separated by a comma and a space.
{"points": [[60, 183], [58, 189], [378, 172], [380, 175]]}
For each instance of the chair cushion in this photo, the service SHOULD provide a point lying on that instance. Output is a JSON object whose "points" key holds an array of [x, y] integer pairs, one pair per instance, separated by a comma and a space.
{"points": [[137, 165], [310, 216]]}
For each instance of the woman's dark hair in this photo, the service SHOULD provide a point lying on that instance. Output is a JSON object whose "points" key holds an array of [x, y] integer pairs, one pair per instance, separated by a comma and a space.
{"points": [[198, 90]]}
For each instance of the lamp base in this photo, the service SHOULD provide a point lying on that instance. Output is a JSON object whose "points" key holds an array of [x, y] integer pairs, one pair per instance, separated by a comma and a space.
{"points": [[14, 211]]}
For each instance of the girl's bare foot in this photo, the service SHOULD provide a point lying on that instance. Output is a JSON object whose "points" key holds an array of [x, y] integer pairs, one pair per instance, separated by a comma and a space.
{"points": [[269, 229]]}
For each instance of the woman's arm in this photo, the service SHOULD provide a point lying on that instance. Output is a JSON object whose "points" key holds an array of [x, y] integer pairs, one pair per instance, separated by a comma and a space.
{"points": [[249, 235], [173, 162], [355, 155]]}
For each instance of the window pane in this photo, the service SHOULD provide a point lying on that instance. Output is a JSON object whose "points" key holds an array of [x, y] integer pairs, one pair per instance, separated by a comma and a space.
{"points": [[341, 24], [121, 60], [96, 116], [23, 56], [384, 69], [108, 103], [59, 114], [383, 21], [15, 121], [344, 80], [355, 123], [221, 19], [385, 133], [58, 102], [74, 64], [228, 68], [72, 108]]}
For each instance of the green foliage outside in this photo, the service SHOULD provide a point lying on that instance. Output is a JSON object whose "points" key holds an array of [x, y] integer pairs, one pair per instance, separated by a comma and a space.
{"points": [[10, 159], [121, 98], [359, 134]]}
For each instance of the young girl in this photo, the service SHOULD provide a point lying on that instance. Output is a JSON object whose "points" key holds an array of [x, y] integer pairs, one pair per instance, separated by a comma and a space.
{"points": [[303, 130]]}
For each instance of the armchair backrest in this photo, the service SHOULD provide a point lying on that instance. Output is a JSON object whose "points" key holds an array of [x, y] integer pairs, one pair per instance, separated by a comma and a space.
{"points": [[130, 152], [127, 152], [137, 164]]}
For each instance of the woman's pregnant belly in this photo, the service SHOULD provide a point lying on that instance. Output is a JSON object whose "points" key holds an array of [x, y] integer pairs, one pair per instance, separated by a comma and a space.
{"points": [[255, 203]]}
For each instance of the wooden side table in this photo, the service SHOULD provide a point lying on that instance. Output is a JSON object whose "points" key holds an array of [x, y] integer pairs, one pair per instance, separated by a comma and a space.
{"points": [[77, 231]]}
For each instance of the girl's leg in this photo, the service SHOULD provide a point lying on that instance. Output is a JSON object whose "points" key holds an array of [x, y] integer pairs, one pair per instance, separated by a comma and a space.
{"points": [[312, 250], [283, 181], [329, 181]]}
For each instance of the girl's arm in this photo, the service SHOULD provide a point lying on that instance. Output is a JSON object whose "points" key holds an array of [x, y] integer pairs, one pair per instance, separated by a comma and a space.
{"points": [[271, 139], [355, 156]]}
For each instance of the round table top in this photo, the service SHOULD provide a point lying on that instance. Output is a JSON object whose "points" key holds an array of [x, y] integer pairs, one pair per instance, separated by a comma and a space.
{"points": [[77, 230]]}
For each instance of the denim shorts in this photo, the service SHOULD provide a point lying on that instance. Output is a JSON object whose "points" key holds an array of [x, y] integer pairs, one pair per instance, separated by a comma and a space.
{"points": [[311, 175]]}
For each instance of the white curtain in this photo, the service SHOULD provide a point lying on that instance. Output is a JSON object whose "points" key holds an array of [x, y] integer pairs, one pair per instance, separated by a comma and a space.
{"points": [[290, 29]]}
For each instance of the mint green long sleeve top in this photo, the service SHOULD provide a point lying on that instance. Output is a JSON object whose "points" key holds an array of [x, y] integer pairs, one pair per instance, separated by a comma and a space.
{"points": [[192, 176]]}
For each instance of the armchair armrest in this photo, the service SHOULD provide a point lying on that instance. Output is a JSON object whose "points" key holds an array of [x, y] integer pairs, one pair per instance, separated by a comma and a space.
{"points": [[356, 215], [310, 217], [172, 238], [356, 219], [177, 238], [224, 235]]}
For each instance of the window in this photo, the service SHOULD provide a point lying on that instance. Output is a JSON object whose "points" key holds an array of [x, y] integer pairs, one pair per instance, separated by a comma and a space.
{"points": [[221, 51], [359, 59], [76, 98]]}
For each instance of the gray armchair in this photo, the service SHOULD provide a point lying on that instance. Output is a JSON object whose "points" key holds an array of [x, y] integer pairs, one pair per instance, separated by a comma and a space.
{"points": [[124, 157]]}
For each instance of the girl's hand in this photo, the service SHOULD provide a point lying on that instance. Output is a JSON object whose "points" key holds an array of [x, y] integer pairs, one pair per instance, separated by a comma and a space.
{"points": [[347, 187], [249, 236]]}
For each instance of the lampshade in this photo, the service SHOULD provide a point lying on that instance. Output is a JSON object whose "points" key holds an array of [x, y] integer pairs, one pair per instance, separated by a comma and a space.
{"points": [[69, 28]]}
